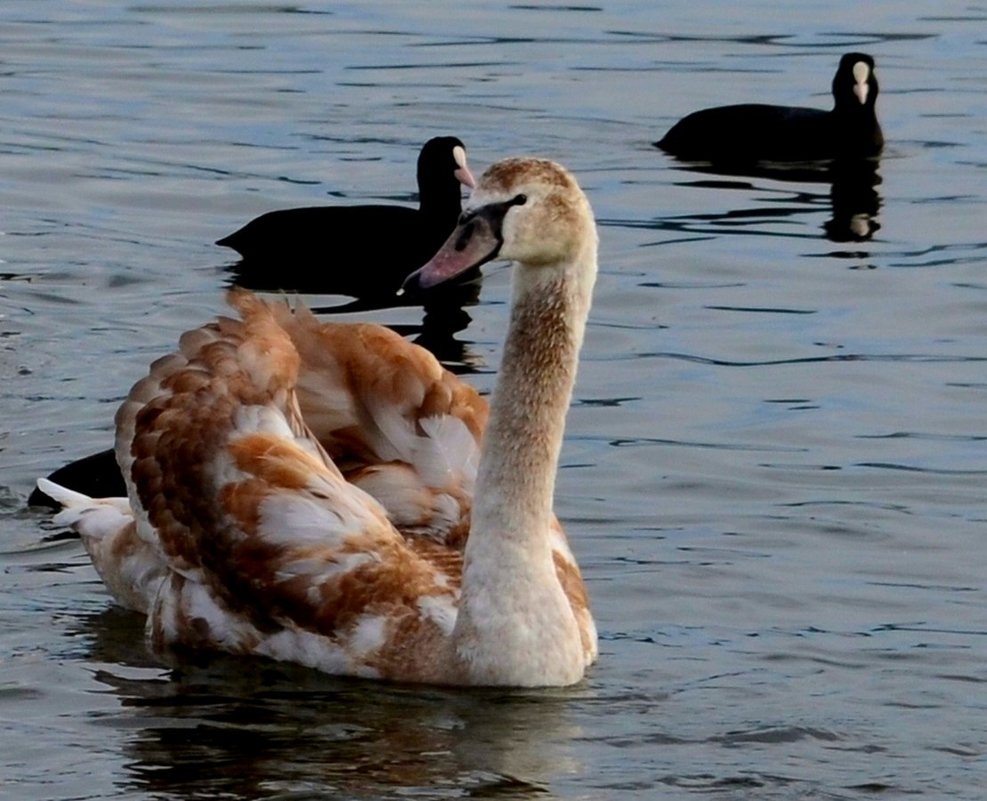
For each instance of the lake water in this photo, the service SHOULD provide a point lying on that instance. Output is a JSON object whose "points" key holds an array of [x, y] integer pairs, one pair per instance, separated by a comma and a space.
{"points": [[775, 468]]}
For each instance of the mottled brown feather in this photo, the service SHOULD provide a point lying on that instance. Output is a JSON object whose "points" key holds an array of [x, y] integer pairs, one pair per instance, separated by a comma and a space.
{"points": [[202, 470]]}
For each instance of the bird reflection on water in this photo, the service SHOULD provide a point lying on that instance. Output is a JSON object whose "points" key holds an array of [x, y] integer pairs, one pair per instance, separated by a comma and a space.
{"points": [[854, 199], [444, 307], [252, 728]]}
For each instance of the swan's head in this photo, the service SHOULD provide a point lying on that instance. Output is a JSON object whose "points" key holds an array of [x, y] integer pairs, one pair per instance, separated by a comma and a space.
{"points": [[530, 211]]}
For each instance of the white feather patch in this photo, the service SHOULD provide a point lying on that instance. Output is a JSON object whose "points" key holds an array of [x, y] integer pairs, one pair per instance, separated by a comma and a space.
{"points": [[90, 517], [314, 651], [368, 635], [448, 453], [441, 610], [290, 518], [398, 436], [261, 419], [180, 600]]}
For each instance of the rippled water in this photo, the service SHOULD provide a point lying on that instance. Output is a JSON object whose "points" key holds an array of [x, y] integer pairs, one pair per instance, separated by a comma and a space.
{"points": [[775, 470]]}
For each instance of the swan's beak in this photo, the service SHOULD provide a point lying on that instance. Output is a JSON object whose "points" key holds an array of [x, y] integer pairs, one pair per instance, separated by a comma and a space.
{"points": [[475, 241]]}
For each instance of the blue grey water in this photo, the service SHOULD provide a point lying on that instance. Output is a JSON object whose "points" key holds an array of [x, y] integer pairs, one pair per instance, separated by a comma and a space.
{"points": [[775, 467]]}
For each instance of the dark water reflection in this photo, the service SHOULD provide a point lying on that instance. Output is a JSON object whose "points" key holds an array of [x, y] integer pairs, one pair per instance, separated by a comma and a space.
{"points": [[262, 730], [443, 309], [854, 200]]}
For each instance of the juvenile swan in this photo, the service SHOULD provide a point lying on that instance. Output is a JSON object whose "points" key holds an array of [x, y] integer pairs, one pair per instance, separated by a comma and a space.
{"points": [[327, 494]]}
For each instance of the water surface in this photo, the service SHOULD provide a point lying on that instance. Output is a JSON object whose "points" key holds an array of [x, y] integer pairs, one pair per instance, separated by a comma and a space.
{"points": [[775, 464]]}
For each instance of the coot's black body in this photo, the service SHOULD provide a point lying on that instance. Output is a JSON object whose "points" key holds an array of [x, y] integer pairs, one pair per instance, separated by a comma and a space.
{"points": [[96, 476], [356, 250], [757, 132]]}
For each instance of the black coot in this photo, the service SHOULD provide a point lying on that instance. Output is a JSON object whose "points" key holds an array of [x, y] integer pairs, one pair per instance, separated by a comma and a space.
{"points": [[356, 250], [757, 132], [96, 476]]}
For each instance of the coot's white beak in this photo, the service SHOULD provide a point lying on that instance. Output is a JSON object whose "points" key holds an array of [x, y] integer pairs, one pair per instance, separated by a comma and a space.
{"points": [[861, 72], [462, 173]]}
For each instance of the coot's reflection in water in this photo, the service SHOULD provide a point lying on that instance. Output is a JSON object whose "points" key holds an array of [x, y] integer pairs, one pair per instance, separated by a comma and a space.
{"points": [[252, 729], [854, 200], [444, 307]]}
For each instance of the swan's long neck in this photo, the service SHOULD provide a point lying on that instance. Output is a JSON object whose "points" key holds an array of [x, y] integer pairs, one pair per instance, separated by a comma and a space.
{"points": [[515, 625], [516, 480]]}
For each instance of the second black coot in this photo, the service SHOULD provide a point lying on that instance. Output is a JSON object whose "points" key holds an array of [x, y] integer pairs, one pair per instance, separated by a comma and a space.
{"points": [[757, 132]]}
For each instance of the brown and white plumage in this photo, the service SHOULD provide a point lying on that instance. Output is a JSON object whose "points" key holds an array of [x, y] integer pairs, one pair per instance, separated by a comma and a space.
{"points": [[328, 494]]}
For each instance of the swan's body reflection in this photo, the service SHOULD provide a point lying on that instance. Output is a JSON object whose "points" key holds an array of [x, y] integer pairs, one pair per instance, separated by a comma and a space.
{"points": [[229, 728]]}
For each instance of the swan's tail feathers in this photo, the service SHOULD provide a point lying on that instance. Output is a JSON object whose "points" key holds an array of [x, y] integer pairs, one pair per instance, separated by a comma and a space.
{"points": [[131, 567], [91, 517], [63, 495]]}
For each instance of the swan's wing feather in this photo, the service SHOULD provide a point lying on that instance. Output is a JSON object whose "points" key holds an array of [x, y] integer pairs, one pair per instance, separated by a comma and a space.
{"points": [[260, 531], [130, 567], [571, 579], [396, 422]]}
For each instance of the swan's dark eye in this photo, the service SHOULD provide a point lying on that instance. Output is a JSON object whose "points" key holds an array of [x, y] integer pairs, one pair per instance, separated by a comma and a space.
{"points": [[519, 200]]}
